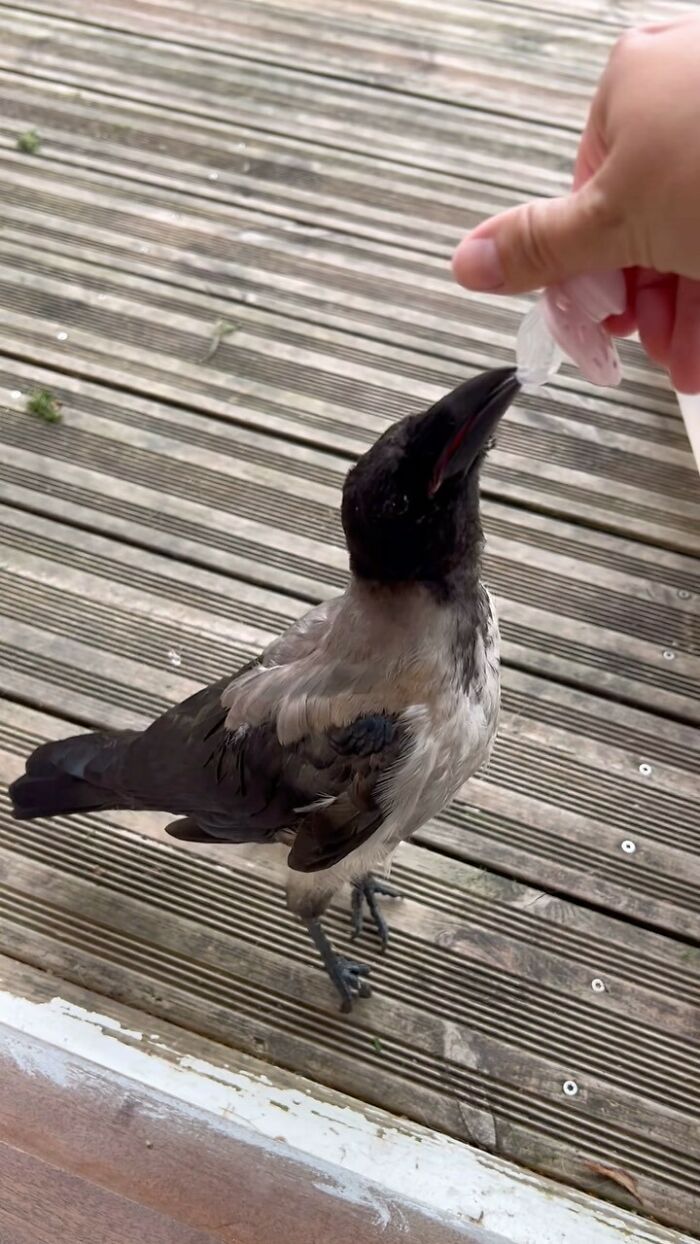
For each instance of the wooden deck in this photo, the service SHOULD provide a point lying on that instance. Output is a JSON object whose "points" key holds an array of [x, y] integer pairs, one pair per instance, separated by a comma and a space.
{"points": [[228, 261]]}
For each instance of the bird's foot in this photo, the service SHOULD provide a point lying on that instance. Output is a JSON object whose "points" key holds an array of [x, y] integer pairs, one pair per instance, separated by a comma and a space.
{"points": [[349, 978], [366, 892]]}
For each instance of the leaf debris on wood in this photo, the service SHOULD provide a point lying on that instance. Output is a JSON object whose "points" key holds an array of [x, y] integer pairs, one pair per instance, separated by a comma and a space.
{"points": [[44, 405], [221, 330], [617, 1176], [29, 142], [377, 1045]]}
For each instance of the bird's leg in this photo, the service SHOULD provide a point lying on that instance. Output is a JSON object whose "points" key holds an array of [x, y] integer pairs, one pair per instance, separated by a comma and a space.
{"points": [[349, 978], [366, 891]]}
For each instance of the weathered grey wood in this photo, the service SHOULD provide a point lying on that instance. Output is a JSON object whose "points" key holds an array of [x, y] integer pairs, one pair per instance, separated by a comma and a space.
{"points": [[607, 624], [464, 53], [563, 790], [230, 954], [457, 66], [145, 135], [304, 176], [335, 281], [629, 469], [271, 385]]}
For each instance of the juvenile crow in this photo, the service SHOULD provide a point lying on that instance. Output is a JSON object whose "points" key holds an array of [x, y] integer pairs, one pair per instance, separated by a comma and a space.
{"points": [[359, 723]]}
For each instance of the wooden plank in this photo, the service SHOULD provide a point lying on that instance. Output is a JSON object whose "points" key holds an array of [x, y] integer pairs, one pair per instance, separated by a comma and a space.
{"points": [[237, 258], [339, 391], [321, 1158], [40, 1204], [564, 788], [287, 178], [630, 12], [615, 609], [82, 1146], [469, 64], [484, 18], [147, 132], [482, 1009], [500, 58], [490, 347]]}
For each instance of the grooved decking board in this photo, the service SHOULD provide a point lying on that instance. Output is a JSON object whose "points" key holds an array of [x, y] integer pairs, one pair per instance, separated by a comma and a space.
{"points": [[337, 391], [283, 178], [223, 257], [588, 607], [466, 67], [90, 628], [158, 136], [304, 176], [482, 1008], [495, 57], [642, 456]]}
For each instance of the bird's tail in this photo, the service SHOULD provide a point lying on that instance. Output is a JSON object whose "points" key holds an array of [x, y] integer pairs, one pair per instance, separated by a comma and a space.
{"points": [[73, 775]]}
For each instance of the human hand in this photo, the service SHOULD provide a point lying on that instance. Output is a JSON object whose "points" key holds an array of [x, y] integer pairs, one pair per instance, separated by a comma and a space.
{"points": [[635, 202]]}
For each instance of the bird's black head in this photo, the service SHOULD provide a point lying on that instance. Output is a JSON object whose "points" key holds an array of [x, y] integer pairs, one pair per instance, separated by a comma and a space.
{"points": [[411, 504]]}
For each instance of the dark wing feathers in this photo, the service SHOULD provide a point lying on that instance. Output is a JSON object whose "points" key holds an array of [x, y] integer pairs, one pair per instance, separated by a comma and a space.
{"points": [[365, 749], [366, 736], [227, 787], [246, 787], [327, 834]]}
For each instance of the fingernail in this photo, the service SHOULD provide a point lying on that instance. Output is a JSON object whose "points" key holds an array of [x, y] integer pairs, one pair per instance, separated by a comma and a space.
{"points": [[477, 265]]}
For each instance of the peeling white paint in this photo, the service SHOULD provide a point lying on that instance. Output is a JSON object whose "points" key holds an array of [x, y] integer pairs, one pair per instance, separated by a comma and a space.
{"points": [[444, 1177], [35, 1060], [102, 1021]]}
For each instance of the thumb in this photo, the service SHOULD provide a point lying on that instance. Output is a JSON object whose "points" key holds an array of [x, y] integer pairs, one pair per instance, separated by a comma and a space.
{"points": [[542, 243]]}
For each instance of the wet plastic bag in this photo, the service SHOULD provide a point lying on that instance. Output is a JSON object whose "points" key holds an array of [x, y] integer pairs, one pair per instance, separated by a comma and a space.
{"points": [[567, 321]]}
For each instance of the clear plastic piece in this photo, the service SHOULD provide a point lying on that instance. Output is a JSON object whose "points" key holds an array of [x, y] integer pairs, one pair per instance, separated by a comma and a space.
{"points": [[538, 356], [568, 318]]}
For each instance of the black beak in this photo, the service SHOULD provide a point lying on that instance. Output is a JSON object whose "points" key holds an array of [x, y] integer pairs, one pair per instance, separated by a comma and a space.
{"points": [[472, 412]]}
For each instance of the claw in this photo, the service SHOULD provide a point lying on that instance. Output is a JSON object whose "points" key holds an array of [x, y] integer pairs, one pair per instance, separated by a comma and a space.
{"points": [[349, 978], [366, 891]]}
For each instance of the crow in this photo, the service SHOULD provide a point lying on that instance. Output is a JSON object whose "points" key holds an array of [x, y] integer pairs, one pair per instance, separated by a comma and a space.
{"points": [[362, 720]]}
